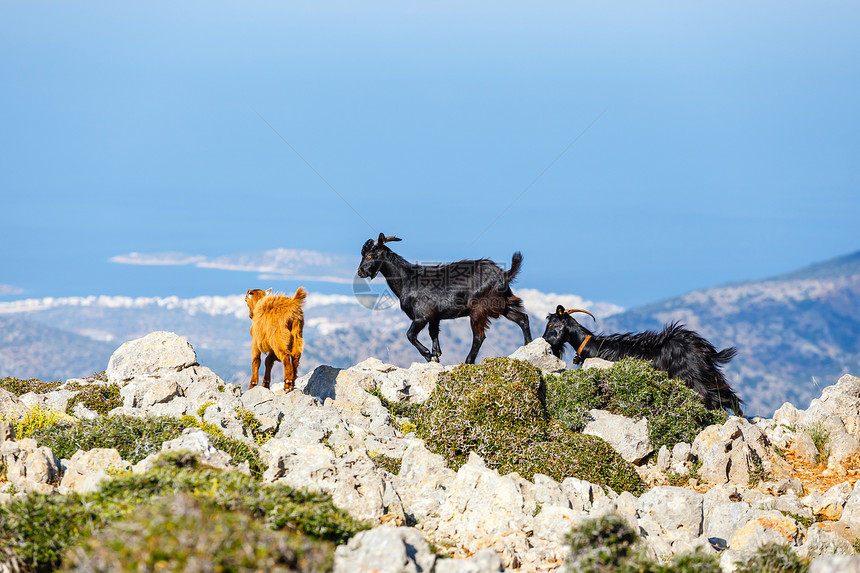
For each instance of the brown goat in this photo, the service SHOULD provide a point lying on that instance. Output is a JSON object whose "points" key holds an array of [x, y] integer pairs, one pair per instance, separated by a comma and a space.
{"points": [[276, 330]]}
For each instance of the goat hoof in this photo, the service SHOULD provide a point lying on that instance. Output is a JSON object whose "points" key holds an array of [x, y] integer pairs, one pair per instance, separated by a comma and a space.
{"points": [[434, 359]]}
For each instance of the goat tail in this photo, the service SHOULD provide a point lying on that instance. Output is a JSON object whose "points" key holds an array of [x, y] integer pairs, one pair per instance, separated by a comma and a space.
{"points": [[725, 355], [516, 263], [296, 334], [301, 295]]}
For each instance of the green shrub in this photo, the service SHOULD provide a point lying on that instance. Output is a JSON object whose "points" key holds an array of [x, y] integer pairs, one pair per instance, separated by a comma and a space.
{"points": [[254, 426], [634, 389], [36, 530], [821, 438], [496, 410], [37, 420], [608, 545], [134, 438], [168, 537], [18, 386], [100, 398], [603, 544], [773, 558]]}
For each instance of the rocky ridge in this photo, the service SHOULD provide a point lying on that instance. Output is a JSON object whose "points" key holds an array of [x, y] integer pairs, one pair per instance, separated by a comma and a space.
{"points": [[747, 482]]}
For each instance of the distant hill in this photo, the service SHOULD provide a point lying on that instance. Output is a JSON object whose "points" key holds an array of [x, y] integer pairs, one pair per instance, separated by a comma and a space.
{"points": [[795, 333], [338, 331], [32, 350]]}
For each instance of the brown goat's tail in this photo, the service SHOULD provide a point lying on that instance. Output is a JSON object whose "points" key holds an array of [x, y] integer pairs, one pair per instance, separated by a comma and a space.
{"points": [[296, 334], [516, 263], [301, 295]]}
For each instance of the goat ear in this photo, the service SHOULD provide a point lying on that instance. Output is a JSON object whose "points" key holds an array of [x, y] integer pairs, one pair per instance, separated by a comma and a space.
{"points": [[392, 238], [268, 291], [559, 310]]}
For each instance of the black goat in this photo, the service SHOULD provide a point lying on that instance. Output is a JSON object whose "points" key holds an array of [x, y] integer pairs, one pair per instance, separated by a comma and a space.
{"points": [[680, 352], [428, 294]]}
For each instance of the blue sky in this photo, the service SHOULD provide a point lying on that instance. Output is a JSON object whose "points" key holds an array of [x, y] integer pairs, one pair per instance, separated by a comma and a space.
{"points": [[711, 142]]}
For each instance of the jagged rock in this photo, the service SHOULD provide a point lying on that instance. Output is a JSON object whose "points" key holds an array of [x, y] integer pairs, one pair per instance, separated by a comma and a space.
{"points": [[55, 400], [422, 481], [349, 476], [726, 519], [539, 353], [7, 431], [554, 522], [146, 391], [28, 466], [484, 561], [821, 543], [736, 452], [599, 363], [829, 505], [86, 470], [770, 528], [838, 408], [390, 549], [11, 408], [672, 513], [844, 450], [789, 415], [481, 504], [627, 436], [832, 563], [664, 459], [157, 353]]}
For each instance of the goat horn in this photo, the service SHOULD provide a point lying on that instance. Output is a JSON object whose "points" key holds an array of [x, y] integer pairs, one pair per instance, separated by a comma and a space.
{"points": [[392, 238], [572, 310]]}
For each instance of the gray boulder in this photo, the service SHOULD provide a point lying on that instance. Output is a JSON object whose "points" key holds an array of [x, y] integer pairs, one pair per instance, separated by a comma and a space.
{"points": [[11, 408], [484, 561], [7, 431], [627, 436], [673, 513], [28, 466], [389, 549], [86, 470], [145, 391], [834, 563], [539, 353], [155, 354]]}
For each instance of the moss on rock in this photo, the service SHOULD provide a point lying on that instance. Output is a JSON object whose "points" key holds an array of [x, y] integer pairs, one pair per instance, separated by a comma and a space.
{"points": [[631, 388], [497, 410]]}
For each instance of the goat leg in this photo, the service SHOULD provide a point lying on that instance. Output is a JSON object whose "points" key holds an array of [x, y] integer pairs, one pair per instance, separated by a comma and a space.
{"points": [[434, 336], [412, 335], [270, 361], [255, 368], [522, 320]]}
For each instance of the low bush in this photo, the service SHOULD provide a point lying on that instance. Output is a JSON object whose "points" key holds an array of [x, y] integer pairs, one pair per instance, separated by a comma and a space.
{"points": [[496, 410], [37, 420], [168, 537], [18, 386], [608, 545], [134, 438], [100, 398], [773, 558], [631, 388], [37, 530]]}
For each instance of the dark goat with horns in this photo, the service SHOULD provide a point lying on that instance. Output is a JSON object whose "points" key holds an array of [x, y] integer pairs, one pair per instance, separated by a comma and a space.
{"points": [[680, 352], [428, 294]]}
